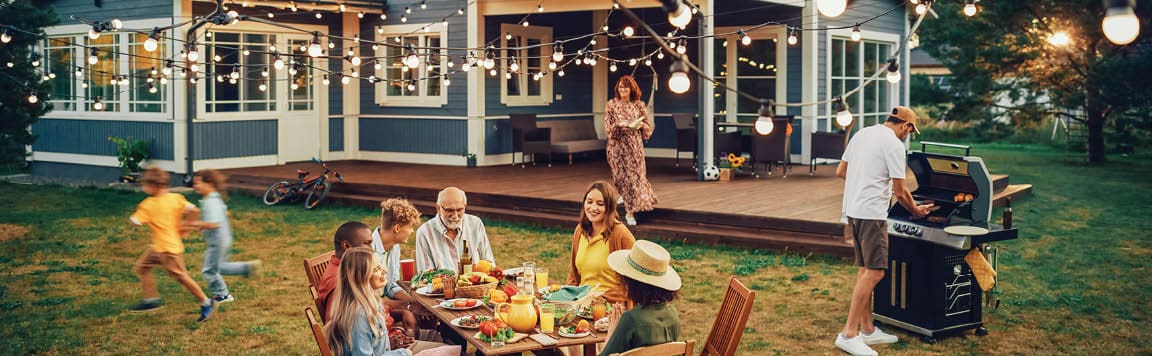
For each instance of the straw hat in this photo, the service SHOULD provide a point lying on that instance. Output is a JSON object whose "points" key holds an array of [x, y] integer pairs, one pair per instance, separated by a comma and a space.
{"points": [[647, 263]]}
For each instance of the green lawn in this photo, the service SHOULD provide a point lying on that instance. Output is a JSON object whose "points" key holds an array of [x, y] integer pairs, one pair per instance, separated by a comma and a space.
{"points": [[1077, 282]]}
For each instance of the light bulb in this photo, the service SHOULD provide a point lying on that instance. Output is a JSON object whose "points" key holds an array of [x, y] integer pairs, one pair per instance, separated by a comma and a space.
{"points": [[969, 8], [292, 70], [194, 67], [539, 8], [360, 15], [92, 59], [153, 41], [411, 86], [315, 50], [163, 80], [831, 8], [764, 125], [744, 38], [216, 58], [680, 15], [1120, 25], [893, 75], [404, 18], [295, 86], [447, 82], [5, 37], [193, 55], [264, 72], [921, 9], [507, 75], [560, 73], [233, 17], [612, 67], [465, 67], [679, 82], [792, 40], [152, 88], [629, 31], [551, 65], [507, 35], [489, 63], [345, 80], [355, 61], [278, 63], [525, 23], [98, 105], [513, 65], [93, 33], [319, 16], [648, 62], [492, 72], [116, 24], [32, 99], [856, 33], [843, 115]]}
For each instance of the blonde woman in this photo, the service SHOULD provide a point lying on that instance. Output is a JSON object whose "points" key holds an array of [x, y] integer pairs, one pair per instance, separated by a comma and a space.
{"points": [[357, 323]]}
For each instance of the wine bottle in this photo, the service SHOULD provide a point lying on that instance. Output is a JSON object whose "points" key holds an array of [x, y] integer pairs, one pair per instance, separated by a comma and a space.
{"points": [[1008, 213], [465, 266]]}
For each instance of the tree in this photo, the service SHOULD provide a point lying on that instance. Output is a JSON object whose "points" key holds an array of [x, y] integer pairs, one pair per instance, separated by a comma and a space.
{"points": [[19, 79], [1012, 50]]}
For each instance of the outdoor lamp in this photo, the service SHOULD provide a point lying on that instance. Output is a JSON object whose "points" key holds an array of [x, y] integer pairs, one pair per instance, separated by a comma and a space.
{"points": [[744, 39], [153, 40], [893, 75], [1120, 23], [93, 56], [558, 53], [5, 36], [411, 59], [552, 65], [679, 14], [98, 104], [843, 116], [314, 49], [969, 8], [831, 8], [764, 124], [856, 33], [679, 82]]}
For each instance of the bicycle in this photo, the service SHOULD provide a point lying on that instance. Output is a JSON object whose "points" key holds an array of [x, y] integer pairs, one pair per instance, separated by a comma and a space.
{"points": [[317, 187]]}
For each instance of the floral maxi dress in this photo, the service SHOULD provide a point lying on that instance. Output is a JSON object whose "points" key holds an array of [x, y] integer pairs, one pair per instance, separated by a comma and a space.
{"points": [[626, 155]]}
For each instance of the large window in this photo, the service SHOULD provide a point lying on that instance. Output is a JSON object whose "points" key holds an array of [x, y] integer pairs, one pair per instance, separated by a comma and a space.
{"points": [[751, 68], [422, 86], [528, 85], [253, 86], [853, 62], [125, 77]]}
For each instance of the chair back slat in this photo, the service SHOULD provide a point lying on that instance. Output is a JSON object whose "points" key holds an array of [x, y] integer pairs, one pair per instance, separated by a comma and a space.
{"points": [[316, 299], [666, 349], [729, 326], [314, 267], [318, 333]]}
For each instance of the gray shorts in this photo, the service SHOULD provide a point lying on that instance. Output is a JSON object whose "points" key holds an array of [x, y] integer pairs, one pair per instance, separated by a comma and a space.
{"points": [[871, 242]]}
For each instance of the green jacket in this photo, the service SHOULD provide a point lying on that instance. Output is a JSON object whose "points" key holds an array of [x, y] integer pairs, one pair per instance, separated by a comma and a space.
{"points": [[645, 325]]}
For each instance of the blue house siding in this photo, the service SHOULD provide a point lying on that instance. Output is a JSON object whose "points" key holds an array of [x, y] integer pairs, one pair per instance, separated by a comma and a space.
{"points": [[226, 139], [122, 9], [442, 136], [336, 134], [90, 137]]}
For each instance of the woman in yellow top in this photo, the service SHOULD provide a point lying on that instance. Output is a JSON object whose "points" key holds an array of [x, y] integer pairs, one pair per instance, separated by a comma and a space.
{"points": [[598, 235]]}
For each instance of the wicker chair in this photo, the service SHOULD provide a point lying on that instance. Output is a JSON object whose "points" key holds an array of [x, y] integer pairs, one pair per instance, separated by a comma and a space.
{"points": [[730, 321], [318, 333], [314, 267]]}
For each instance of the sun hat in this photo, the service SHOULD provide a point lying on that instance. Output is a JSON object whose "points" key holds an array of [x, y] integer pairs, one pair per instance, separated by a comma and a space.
{"points": [[646, 263], [903, 113]]}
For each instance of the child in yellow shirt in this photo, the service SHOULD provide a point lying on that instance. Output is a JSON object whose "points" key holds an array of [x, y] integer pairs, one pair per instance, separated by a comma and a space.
{"points": [[163, 212]]}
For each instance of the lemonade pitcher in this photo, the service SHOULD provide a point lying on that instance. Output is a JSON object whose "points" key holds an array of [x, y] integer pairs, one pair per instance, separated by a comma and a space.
{"points": [[521, 314]]}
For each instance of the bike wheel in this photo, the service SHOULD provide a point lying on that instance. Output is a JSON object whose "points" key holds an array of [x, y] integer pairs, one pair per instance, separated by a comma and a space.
{"points": [[316, 194], [276, 193]]}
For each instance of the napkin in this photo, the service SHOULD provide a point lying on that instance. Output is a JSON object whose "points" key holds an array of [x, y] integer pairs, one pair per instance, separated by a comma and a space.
{"points": [[569, 293]]}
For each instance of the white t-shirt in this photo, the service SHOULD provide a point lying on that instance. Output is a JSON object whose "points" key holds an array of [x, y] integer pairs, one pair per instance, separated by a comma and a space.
{"points": [[874, 155]]}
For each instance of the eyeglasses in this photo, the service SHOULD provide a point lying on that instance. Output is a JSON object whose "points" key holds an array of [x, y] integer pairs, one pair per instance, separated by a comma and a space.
{"points": [[448, 211]]}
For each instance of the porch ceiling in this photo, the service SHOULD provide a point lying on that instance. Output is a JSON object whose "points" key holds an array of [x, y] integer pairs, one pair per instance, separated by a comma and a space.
{"points": [[509, 7], [365, 6]]}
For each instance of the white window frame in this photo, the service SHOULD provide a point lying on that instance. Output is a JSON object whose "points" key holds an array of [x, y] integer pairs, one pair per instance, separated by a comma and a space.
{"points": [[79, 34], [539, 33], [826, 121], [731, 99], [421, 99], [274, 76]]}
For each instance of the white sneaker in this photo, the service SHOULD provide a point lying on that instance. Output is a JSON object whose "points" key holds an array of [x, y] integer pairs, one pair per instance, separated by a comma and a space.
{"points": [[879, 337], [854, 346]]}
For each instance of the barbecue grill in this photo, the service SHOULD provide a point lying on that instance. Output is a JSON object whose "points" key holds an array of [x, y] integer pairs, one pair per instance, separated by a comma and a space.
{"points": [[929, 288]]}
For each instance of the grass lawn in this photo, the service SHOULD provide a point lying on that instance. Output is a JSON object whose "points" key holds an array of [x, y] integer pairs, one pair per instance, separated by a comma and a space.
{"points": [[1077, 282]]}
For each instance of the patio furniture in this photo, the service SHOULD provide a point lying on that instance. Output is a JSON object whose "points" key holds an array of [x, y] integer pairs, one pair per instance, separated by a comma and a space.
{"points": [[730, 321], [773, 148], [665, 349], [316, 298], [573, 136], [685, 136], [828, 145], [314, 267], [528, 138], [318, 333]]}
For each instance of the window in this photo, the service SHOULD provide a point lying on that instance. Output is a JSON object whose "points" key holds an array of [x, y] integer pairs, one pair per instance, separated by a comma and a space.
{"points": [[125, 78], [529, 85], [300, 95], [750, 68], [853, 62], [254, 87], [422, 86]]}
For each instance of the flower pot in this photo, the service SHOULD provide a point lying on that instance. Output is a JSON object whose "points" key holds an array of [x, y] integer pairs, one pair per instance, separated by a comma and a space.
{"points": [[471, 162], [725, 174]]}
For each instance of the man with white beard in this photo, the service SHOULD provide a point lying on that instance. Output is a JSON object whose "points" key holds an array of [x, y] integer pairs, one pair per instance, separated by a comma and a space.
{"points": [[439, 240]]}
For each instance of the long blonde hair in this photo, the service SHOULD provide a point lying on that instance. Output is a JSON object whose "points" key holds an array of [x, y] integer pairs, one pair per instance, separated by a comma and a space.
{"points": [[353, 296]]}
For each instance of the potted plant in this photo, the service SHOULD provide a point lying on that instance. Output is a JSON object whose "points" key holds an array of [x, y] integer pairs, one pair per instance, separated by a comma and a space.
{"points": [[131, 153], [471, 159]]}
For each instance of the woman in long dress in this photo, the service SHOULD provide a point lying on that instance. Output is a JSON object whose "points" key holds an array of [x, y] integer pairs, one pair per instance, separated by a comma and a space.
{"points": [[627, 127]]}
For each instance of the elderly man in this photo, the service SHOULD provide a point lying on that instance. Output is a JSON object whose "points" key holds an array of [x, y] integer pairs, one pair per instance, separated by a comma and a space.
{"points": [[439, 241]]}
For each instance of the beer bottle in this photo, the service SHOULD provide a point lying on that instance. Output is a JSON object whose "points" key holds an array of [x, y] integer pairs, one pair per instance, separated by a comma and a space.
{"points": [[465, 266], [1008, 213]]}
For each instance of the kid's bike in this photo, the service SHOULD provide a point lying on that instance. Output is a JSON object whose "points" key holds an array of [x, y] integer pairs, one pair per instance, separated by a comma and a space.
{"points": [[314, 189]]}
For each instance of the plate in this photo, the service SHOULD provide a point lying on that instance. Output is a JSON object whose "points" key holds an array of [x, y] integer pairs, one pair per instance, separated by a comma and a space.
{"points": [[966, 230], [482, 318], [427, 291], [563, 332], [450, 304]]}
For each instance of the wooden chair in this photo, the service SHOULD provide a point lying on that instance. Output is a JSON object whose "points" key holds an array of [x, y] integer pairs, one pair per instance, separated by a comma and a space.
{"points": [[729, 325], [685, 135], [316, 298], [318, 333], [665, 349], [314, 267]]}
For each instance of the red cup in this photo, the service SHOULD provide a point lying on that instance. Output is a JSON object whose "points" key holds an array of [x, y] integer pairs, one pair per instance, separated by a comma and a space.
{"points": [[407, 269]]}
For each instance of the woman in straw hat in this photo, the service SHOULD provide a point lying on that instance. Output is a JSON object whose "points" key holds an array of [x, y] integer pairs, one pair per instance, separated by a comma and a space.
{"points": [[652, 284]]}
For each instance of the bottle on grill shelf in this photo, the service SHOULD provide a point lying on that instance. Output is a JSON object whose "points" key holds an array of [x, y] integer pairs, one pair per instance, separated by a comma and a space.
{"points": [[1008, 213], [465, 265]]}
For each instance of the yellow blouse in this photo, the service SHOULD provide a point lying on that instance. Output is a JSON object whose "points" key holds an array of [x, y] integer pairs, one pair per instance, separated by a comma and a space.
{"points": [[592, 263]]}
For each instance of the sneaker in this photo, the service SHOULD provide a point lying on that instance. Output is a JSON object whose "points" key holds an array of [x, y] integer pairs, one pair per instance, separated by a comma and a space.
{"points": [[146, 306], [223, 298], [854, 346], [879, 337], [206, 310], [254, 268], [630, 220]]}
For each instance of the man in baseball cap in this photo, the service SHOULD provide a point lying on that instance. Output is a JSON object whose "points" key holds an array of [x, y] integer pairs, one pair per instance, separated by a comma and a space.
{"points": [[903, 115]]}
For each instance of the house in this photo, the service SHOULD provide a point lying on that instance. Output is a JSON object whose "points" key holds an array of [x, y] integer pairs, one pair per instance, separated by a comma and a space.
{"points": [[245, 112]]}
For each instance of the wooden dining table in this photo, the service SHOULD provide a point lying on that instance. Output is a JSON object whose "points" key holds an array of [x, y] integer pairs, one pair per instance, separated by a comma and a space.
{"points": [[445, 316]]}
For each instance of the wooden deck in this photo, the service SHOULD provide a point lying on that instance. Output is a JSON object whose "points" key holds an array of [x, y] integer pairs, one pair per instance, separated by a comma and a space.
{"points": [[800, 212]]}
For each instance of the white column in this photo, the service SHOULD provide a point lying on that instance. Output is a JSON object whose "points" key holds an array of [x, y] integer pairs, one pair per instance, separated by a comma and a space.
{"points": [[905, 65], [809, 69], [177, 91], [599, 76], [351, 92], [475, 93], [707, 126]]}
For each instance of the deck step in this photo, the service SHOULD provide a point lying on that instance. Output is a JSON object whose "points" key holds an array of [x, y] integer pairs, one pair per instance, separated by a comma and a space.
{"points": [[999, 182], [1013, 191]]}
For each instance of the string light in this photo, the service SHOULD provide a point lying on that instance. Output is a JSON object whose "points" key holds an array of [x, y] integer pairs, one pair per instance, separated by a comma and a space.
{"points": [[404, 18], [679, 14], [93, 56], [856, 33], [525, 23], [744, 39], [1120, 25], [233, 17], [278, 63], [792, 37], [682, 47], [383, 16], [539, 8], [412, 85], [314, 48], [969, 8], [560, 73], [922, 8], [893, 75], [152, 87], [344, 80], [5, 37], [764, 124], [360, 14], [513, 65], [411, 59], [843, 115], [407, 10], [193, 54], [98, 104], [32, 98], [325, 80], [423, 4], [558, 53], [628, 31], [831, 8], [679, 82], [318, 16], [612, 67]]}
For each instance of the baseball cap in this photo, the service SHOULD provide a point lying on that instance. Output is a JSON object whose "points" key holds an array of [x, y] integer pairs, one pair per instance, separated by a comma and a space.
{"points": [[903, 113]]}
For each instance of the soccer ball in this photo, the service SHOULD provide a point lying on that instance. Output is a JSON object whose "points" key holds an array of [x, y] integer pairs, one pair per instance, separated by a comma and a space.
{"points": [[711, 173]]}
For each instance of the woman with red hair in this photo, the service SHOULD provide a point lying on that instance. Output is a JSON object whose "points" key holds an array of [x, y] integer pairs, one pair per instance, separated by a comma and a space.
{"points": [[627, 125]]}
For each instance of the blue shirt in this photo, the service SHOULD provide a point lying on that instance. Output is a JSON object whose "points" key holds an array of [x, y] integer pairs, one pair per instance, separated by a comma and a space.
{"points": [[213, 210], [391, 261], [364, 343], [435, 251]]}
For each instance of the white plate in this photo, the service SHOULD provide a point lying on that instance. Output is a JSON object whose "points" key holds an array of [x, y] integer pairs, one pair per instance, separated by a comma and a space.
{"points": [[962, 230], [427, 291], [564, 334], [456, 322], [449, 304]]}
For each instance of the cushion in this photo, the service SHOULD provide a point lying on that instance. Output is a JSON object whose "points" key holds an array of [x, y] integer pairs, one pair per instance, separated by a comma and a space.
{"points": [[579, 146]]}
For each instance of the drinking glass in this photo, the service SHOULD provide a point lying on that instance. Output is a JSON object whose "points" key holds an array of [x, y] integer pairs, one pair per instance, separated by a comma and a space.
{"points": [[599, 309], [547, 317], [530, 271], [449, 286], [541, 277], [524, 286]]}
